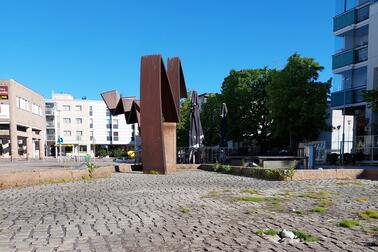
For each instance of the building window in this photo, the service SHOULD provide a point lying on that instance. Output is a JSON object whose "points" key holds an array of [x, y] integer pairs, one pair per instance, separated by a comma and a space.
{"points": [[115, 124], [91, 136], [22, 103], [109, 136], [36, 109], [67, 120], [91, 123], [79, 120], [82, 148], [78, 108], [66, 107], [67, 133], [90, 110], [79, 135], [115, 135], [107, 112], [108, 124]]}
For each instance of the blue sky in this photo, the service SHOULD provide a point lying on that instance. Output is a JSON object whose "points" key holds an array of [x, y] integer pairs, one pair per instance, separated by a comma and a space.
{"points": [[85, 47]]}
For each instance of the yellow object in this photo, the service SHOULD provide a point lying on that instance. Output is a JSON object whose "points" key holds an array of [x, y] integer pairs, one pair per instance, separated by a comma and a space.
{"points": [[131, 153]]}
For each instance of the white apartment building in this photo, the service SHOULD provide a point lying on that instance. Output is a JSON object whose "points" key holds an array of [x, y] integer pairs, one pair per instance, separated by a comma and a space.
{"points": [[85, 126], [355, 65]]}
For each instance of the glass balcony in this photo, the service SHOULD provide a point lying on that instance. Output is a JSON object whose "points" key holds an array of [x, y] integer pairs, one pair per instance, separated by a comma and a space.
{"points": [[351, 96], [353, 16], [343, 20], [49, 111], [50, 137], [50, 124], [349, 57]]}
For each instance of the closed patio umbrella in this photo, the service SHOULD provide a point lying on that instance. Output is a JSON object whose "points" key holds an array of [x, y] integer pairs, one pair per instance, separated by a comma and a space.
{"points": [[223, 126], [195, 133]]}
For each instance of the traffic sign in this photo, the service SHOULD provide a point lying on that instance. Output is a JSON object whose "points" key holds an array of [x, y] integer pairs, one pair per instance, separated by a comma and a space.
{"points": [[60, 140]]}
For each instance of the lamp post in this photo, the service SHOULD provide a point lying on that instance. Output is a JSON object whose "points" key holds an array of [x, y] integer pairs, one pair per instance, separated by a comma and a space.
{"points": [[348, 134], [338, 137], [59, 135], [338, 140]]}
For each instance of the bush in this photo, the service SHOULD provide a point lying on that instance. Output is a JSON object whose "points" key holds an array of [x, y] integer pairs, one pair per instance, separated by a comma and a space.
{"points": [[225, 169], [273, 174], [91, 167], [119, 152], [102, 153]]}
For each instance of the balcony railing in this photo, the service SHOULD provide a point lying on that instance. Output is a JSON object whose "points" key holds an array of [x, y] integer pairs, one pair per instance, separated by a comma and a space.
{"points": [[351, 17], [352, 96], [49, 111], [350, 57], [50, 137], [50, 124]]}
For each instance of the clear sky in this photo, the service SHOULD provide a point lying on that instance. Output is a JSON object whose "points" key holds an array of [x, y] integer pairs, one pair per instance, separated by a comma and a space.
{"points": [[85, 47]]}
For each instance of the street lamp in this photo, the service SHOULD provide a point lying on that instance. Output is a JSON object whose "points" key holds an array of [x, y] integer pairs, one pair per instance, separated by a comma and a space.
{"points": [[338, 137]]}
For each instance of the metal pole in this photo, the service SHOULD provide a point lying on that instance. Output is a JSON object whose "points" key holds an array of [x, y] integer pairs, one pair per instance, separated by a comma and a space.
{"points": [[343, 135]]}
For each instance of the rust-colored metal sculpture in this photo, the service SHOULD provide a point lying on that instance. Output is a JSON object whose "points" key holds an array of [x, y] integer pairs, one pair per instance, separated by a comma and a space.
{"points": [[157, 112]]}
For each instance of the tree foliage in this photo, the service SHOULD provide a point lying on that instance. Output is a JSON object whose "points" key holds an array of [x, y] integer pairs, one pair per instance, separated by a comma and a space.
{"points": [[371, 97], [183, 126], [244, 92], [297, 101], [210, 119]]}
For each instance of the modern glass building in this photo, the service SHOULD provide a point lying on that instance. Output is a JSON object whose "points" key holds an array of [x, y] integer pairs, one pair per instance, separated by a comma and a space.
{"points": [[355, 65]]}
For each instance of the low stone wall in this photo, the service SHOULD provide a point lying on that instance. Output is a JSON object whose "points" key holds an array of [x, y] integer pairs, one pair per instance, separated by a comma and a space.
{"points": [[26, 178], [188, 166], [328, 174], [308, 174]]}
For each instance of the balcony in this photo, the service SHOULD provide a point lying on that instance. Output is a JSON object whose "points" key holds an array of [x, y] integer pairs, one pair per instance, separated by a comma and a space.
{"points": [[50, 137], [351, 17], [352, 96], [49, 111], [50, 124], [350, 57]]}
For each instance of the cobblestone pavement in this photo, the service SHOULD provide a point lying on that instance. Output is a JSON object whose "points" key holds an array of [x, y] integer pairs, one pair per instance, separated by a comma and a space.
{"points": [[185, 211]]}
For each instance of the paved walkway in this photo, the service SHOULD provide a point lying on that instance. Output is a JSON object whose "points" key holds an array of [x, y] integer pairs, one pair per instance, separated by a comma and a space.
{"points": [[186, 211]]}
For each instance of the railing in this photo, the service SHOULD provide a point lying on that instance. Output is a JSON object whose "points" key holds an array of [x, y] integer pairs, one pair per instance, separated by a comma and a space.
{"points": [[203, 155], [50, 124], [367, 146], [353, 16], [351, 96], [50, 137], [49, 111], [350, 57]]}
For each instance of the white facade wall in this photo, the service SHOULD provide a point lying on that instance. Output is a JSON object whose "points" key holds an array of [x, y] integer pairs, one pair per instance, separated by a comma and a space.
{"points": [[93, 129], [101, 132]]}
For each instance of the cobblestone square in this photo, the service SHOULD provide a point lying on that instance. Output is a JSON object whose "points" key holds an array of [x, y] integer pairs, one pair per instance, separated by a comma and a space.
{"points": [[186, 211]]}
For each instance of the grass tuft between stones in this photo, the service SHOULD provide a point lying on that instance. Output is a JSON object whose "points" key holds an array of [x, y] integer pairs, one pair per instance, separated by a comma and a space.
{"points": [[258, 199], [348, 223], [319, 210], [305, 236], [185, 210], [370, 213], [271, 232], [250, 191]]}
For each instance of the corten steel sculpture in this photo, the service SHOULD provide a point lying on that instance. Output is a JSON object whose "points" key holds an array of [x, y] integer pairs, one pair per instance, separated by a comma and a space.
{"points": [[157, 112]]}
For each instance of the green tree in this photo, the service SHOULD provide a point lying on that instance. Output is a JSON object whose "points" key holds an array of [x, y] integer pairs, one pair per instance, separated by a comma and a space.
{"points": [[182, 128], [297, 101], [371, 97], [210, 120], [244, 92]]}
